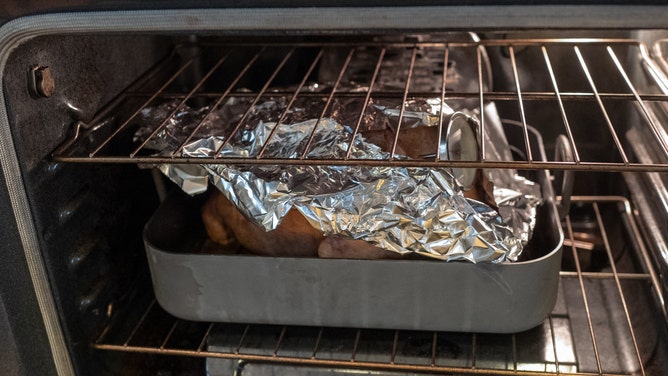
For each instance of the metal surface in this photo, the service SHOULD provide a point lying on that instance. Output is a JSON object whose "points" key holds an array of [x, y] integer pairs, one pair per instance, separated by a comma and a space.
{"points": [[563, 151], [370, 14], [603, 100], [635, 349], [650, 198], [41, 83], [307, 291]]}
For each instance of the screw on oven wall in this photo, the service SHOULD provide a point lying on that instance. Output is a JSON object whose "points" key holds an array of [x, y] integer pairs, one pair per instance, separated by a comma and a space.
{"points": [[42, 84]]}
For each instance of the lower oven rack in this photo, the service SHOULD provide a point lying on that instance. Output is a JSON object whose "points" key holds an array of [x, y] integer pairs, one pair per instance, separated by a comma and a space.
{"points": [[602, 323]]}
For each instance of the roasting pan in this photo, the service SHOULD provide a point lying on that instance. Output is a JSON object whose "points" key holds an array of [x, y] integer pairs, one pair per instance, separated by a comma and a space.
{"points": [[397, 294]]}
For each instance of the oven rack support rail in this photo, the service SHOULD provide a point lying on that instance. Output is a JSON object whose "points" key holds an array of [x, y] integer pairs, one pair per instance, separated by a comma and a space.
{"points": [[574, 340], [646, 94]]}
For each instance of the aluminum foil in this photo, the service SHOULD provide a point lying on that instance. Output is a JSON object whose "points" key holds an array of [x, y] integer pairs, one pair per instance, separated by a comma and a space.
{"points": [[517, 198], [405, 210]]}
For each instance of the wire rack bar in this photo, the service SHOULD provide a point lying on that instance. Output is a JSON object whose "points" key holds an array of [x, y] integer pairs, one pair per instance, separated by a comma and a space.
{"points": [[645, 257], [394, 346], [367, 97], [292, 100], [608, 250], [219, 101], [205, 338], [481, 91], [516, 78], [583, 166], [433, 349], [438, 44], [490, 95], [169, 334], [444, 81], [604, 275], [401, 111], [343, 364], [180, 105], [317, 343], [141, 321], [356, 345], [585, 301], [243, 338], [349, 58], [604, 112], [259, 95], [146, 103], [553, 337], [497, 95], [658, 132], [279, 341], [562, 110]]}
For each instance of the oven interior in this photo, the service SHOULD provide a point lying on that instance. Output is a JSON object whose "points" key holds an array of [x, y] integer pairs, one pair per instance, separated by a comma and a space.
{"points": [[92, 188]]}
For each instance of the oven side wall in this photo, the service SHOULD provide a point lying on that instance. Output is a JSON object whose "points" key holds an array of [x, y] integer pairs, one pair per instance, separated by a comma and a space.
{"points": [[24, 344], [82, 215]]}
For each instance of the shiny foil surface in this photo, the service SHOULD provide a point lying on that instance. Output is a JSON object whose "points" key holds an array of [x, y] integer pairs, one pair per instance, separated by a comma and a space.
{"points": [[405, 210]]}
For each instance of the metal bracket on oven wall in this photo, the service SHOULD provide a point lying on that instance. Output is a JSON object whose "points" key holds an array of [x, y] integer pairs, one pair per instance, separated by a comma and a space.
{"points": [[40, 82], [73, 137]]}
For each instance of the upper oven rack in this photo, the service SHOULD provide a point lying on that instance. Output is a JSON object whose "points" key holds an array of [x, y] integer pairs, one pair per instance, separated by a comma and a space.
{"points": [[97, 140]]}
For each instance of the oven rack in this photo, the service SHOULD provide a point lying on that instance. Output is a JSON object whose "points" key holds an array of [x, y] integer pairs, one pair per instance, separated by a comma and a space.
{"points": [[600, 325], [638, 84]]}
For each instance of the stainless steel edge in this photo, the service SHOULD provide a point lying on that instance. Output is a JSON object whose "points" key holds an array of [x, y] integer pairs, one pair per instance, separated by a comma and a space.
{"points": [[654, 68], [356, 18]]}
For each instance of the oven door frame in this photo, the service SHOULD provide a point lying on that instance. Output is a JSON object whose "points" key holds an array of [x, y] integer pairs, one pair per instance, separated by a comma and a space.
{"points": [[35, 339]]}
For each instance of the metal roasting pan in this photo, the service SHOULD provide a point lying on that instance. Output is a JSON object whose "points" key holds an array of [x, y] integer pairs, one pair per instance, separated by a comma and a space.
{"points": [[396, 294]]}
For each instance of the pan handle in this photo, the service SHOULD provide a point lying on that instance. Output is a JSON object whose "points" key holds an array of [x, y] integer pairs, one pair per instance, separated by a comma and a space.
{"points": [[564, 152]]}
